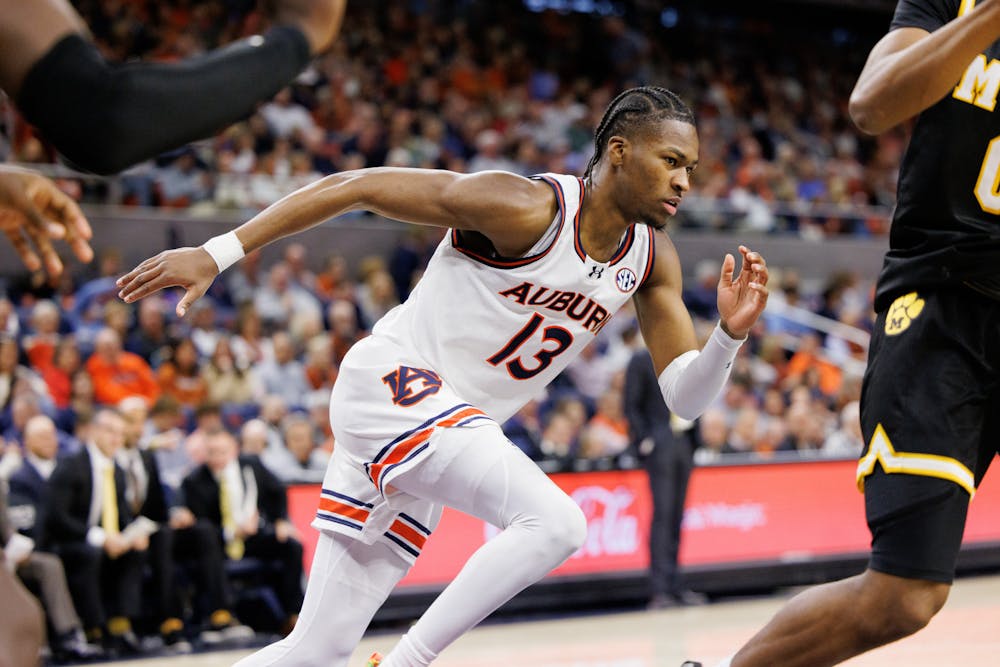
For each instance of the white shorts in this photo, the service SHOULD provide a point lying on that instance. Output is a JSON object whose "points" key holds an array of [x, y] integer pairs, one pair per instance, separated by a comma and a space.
{"points": [[386, 408]]}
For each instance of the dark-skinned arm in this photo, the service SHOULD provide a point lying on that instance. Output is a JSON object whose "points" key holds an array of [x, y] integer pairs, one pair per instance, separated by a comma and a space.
{"points": [[910, 70]]}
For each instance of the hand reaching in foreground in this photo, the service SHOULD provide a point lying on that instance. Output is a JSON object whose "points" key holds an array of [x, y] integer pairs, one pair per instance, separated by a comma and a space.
{"points": [[190, 268], [33, 213], [742, 299]]}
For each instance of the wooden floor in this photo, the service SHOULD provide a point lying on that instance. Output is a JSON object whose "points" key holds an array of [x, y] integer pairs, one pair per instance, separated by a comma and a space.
{"points": [[966, 633]]}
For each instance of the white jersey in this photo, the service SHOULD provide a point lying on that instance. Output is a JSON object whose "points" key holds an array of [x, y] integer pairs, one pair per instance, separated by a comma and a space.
{"points": [[497, 330]]}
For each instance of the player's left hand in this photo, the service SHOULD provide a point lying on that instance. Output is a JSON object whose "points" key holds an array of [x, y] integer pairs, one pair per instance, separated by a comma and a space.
{"points": [[742, 299], [33, 213]]}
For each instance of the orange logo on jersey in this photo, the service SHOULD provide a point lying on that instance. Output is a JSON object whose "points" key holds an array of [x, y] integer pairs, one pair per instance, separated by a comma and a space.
{"points": [[902, 312], [411, 385]]}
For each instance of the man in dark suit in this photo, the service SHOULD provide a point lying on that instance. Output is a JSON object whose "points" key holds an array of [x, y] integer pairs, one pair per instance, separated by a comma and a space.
{"points": [[248, 508], [669, 460], [44, 573], [85, 525], [29, 484], [180, 537]]}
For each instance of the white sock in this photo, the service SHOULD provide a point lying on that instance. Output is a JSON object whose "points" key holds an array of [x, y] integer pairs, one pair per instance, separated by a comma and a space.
{"points": [[409, 652]]}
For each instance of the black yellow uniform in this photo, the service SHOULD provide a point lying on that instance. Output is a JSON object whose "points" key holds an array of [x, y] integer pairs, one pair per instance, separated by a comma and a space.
{"points": [[931, 399]]}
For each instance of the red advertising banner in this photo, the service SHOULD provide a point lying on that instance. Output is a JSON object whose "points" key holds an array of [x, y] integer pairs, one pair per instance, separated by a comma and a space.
{"points": [[780, 512]]}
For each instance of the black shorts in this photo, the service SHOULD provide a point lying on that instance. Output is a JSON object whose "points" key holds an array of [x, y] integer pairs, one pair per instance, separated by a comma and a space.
{"points": [[930, 413]]}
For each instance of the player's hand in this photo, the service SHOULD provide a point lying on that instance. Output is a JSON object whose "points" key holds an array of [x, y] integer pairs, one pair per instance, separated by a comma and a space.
{"points": [[33, 213], [190, 268], [742, 299]]}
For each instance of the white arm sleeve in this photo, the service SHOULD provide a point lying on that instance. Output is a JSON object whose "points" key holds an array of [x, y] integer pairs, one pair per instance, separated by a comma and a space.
{"points": [[692, 381]]}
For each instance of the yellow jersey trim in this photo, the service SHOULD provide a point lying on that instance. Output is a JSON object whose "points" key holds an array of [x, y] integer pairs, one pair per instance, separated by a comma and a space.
{"points": [[880, 450], [966, 7]]}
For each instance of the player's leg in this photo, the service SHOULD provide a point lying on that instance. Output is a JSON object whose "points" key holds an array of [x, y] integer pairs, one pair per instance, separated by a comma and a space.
{"points": [[106, 117], [489, 478], [929, 441], [348, 582]]}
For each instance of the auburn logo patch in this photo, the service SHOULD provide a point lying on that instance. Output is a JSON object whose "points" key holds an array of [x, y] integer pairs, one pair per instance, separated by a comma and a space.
{"points": [[902, 312], [411, 385]]}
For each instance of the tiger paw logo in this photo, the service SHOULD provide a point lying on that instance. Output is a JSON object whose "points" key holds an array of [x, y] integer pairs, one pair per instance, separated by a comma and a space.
{"points": [[902, 312]]}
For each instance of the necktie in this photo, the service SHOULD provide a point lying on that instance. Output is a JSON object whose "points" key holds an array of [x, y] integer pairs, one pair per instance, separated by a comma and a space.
{"points": [[135, 493], [234, 545], [109, 502]]}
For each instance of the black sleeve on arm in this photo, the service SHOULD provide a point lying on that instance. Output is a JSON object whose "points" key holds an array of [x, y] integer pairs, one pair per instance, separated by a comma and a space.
{"points": [[105, 118], [928, 15]]}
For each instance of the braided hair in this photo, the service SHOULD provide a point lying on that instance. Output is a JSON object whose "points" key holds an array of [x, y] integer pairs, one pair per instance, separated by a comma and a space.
{"points": [[633, 108]]}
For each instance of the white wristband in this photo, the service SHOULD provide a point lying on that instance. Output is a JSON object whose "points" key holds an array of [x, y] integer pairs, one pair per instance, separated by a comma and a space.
{"points": [[226, 250]]}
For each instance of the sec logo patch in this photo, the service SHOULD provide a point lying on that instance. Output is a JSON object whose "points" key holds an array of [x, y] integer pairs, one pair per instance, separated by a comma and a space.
{"points": [[625, 279], [902, 312]]}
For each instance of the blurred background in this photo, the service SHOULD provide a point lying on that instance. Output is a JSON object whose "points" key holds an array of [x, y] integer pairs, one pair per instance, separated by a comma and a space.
{"points": [[471, 85]]}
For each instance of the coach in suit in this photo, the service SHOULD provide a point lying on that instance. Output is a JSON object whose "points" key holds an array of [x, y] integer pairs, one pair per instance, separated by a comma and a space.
{"points": [[669, 460], [84, 525], [180, 537], [248, 508]]}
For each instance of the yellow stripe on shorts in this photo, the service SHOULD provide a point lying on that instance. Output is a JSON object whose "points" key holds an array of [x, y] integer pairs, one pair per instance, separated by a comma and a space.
{"points": [[880, 450]]}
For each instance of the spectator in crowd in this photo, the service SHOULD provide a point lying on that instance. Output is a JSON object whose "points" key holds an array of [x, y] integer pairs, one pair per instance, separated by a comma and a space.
{"points": [[228, 382], [29, 484], [667, 451], [118, 374], [204, 333], [713, 437], [280, 298], [607, 432], [15, 377], [163, 435], [247, 506], [299, 460], [250, 346], [207, 420], [333, 282], [847, 440], [344, 331], [151, 338], [806, 429], [183, 182], [376, 296], [44, 572], [319, 368], [283, 376], [58, 375], [524, 429], [254, 438], [40, 345], [85, 525], [180, 376]]}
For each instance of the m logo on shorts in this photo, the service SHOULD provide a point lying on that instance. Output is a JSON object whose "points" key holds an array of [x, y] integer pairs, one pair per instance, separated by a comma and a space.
{"points": [[902, 312], [411, 385]]}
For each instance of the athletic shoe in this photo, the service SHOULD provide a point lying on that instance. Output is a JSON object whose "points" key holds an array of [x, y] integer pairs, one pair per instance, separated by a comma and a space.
{"points": [[375, 660], [690, 663]]}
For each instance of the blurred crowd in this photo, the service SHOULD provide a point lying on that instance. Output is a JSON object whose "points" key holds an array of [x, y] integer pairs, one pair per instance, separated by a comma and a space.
{"points": [[471, 86]]}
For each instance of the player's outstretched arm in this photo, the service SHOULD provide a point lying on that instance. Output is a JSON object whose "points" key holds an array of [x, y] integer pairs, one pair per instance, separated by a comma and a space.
{"points": [[691, 379], [510, 210], [33, 213], [910, 69]]}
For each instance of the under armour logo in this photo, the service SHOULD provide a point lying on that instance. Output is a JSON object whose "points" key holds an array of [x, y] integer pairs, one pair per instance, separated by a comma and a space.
{"points": [[596, 271]]}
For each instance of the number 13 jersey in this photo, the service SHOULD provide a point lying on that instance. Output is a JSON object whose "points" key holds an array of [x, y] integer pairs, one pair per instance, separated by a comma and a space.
{"points": [[497, 329]]}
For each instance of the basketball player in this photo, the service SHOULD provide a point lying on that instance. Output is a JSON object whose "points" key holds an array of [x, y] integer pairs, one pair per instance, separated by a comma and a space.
{"points": [[930, 398], [106, 117], [529, 273]]}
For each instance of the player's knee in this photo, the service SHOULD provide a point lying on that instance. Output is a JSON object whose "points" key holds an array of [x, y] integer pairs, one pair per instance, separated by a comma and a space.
{"points": [[567, 528], [905, 610]]}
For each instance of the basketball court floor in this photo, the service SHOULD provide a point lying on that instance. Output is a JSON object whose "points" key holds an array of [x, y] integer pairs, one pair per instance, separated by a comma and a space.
{"points": [[966, 633]]}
